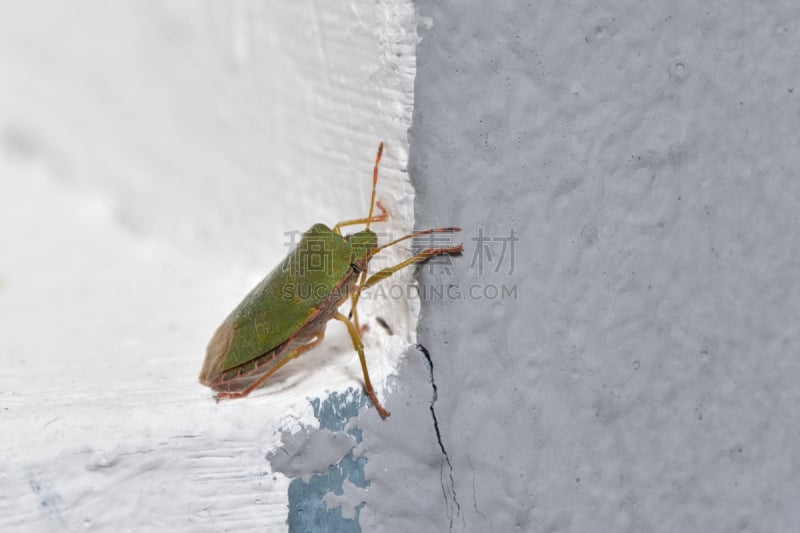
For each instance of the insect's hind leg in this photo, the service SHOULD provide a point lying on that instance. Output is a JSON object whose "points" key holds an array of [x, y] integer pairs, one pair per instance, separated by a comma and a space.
{"points": [[295, 352], [359, 346]]}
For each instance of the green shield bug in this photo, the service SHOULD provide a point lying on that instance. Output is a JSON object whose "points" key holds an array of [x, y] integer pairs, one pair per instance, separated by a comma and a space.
{"points": [[286, 314]]}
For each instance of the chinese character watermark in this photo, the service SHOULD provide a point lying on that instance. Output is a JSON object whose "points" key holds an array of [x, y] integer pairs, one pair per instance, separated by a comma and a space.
{"points": [[492, 254], [485, 251], [431, 241], [313, 254]]}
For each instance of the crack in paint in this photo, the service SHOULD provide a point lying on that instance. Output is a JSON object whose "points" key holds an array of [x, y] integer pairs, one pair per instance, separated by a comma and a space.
{"points": [[452, 500], [474, 497]]}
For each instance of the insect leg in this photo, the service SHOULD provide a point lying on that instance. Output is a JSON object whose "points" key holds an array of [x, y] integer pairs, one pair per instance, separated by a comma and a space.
{"points": [[383, 217], [359, 346], [354, 301], [424, 255], [415, 234], [294, 352]]}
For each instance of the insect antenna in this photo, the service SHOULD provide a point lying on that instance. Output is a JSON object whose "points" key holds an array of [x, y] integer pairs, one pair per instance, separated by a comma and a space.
{"points": [[374, 182]]}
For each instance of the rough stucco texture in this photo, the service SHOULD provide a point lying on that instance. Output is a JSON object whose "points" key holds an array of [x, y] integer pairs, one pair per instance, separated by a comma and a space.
{"points": [[646, 375]]}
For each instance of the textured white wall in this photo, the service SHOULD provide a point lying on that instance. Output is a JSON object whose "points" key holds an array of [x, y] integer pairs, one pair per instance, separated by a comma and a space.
{"points": [[152, 155], [647, 377], [644, 379]]}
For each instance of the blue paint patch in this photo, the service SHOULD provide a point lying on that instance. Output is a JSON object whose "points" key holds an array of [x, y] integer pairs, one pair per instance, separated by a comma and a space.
{"points": [[334, 412], [307, 510], [48, 498]]}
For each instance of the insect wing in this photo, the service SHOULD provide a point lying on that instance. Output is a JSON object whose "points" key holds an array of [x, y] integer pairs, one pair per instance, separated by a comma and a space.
{"points": [[284, 301]]}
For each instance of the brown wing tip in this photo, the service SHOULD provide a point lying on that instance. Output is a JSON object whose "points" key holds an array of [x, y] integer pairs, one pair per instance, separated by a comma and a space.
{"points": [[216, 353]]}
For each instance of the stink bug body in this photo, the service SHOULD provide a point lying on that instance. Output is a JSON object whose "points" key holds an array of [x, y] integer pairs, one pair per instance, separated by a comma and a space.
{"points": [[286, 314]]}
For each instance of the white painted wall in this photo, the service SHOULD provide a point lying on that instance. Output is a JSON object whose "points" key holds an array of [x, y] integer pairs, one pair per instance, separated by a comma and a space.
{"points": [[645, 378], [152, 157]]}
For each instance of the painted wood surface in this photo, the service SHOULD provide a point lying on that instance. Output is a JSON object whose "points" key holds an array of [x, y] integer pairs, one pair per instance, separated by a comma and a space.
{"points": [[156, 160]]}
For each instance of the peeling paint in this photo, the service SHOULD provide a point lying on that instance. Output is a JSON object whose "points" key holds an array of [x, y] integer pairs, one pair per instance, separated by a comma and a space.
{"points": [[308, 499]]}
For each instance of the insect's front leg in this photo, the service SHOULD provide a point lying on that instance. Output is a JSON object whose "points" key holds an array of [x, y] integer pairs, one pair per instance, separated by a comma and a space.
{"points": [[383, 217], [424, 255]]}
